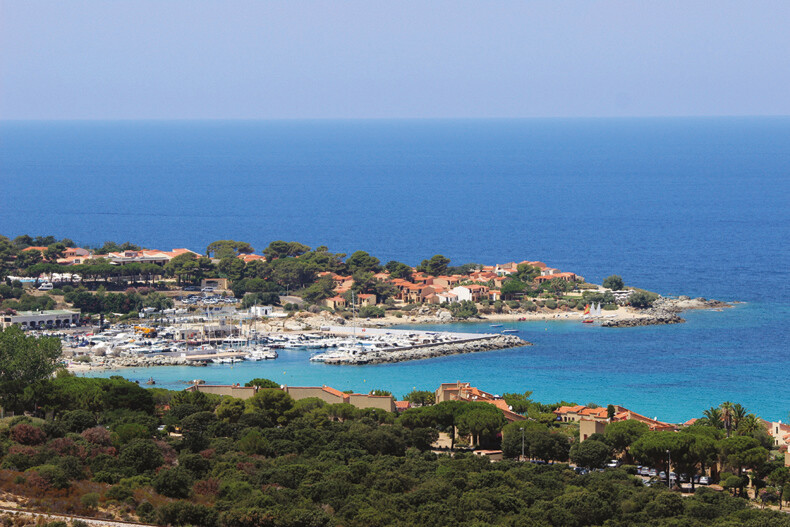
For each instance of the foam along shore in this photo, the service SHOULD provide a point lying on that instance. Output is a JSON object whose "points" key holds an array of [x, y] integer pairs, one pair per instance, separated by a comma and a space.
{"points": [[461, 343]]}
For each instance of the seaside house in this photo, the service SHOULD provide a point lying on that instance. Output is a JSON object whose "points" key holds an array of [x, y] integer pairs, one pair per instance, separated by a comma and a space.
{"points": [[422, 278], [588, 427], [473, 292], [446, 281], [418, 293], [341, 280], [653, 424], [146, 256], [505, 269], [779, 431], [494, 295], [464, 391], [325, 393], [230, 390], [569, 414], [402, 406], [335, 302], [333, 396], [247, 258], [568, 277], [366, 299]]}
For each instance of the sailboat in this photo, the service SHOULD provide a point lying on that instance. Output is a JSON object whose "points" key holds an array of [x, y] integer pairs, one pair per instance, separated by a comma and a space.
{"points": [[587, 316]]}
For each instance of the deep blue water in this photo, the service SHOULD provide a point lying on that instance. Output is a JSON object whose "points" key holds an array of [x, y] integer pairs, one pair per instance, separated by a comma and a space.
{"points": [[678, 206]]}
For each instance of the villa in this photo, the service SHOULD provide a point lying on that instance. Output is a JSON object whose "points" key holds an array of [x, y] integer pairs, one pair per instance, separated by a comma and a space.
{"points": [[464, 391]]}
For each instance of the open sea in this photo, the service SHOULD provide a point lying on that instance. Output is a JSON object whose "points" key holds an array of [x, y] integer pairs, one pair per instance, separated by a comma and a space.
{"points": [[699, 207]]}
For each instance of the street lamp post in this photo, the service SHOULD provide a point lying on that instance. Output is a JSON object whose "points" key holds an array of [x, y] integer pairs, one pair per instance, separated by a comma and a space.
{"points": [[669, 469], [522, 443]]}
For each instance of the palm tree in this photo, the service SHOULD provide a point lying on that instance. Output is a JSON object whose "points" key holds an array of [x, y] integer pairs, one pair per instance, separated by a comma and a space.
{"points": [[726, 414], [738, 414], [749, 424], [712, 418]]}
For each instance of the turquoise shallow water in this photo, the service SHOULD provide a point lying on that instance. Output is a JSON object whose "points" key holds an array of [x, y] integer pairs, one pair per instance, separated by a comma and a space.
{"points": [[673, 372], [677, 206]]}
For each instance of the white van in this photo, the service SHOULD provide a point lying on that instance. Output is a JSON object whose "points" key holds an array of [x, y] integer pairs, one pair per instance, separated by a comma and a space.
{"points": [[46, 286]]}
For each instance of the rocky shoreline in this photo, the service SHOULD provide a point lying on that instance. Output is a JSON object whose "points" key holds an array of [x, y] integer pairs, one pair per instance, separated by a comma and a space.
{"points": [[497, 342], [665, 311]]}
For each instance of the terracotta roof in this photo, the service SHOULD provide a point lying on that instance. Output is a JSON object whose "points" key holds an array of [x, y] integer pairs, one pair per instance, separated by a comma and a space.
{"points": [[568, 409], [333, 391], [40, 249], [402, 405]]}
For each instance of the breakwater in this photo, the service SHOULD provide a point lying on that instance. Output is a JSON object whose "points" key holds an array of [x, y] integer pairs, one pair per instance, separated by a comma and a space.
{"points": [[428, 351]]}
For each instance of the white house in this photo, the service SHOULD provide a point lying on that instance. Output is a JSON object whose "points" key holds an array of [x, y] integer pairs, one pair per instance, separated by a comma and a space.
{"points": [[447, 298], [261, 311], [58, 318]]}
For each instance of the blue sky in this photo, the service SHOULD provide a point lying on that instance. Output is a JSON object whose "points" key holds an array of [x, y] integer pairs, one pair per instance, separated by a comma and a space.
{"points": [[289, 59]]}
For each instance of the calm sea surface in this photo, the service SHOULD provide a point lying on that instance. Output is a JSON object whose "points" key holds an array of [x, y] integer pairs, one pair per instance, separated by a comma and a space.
{"points": [[679, 206]]}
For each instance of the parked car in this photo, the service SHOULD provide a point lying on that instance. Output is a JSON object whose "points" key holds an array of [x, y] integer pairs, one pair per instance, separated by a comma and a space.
{"points": [[613, 464], [704, 480], [662, 475], [653, 473]]}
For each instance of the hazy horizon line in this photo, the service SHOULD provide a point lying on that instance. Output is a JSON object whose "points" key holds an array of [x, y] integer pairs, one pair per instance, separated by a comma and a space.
{"points": [[259, 119]]}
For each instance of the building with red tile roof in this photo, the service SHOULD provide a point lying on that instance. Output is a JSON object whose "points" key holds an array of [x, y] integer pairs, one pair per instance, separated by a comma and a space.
{"points": [[402, 406], [335, 302], [568, 277], [464, 391], [366, 299]]}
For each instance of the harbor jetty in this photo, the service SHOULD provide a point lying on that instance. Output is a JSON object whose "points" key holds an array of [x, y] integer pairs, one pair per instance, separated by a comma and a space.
{"points": [[416, 345]]}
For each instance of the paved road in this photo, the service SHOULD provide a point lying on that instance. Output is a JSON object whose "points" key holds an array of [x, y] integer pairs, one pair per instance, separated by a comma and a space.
{"points": [[67, 518]]}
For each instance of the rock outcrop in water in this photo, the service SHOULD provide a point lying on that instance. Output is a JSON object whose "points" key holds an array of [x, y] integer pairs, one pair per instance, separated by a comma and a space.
{"points": [[665, 311]]}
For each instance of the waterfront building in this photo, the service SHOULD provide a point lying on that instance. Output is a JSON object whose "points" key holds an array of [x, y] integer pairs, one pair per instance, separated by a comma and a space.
{"points": [[366, 299], [57, 318], [568, 277], [333, 396], [588, 427], [335, 302], [247, 258], [229, 390], [473, 292], [464, 391], [446, 298], [579, 414], [779, 431], [146, 256], [261, 311]]}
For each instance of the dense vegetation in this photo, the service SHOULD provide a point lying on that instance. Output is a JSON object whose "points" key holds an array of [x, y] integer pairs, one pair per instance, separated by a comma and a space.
{"points": [[289, 268], [101, 446]]}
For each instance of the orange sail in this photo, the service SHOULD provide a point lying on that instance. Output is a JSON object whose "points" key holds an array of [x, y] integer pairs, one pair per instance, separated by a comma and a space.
{"points": [[587, 309]]}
